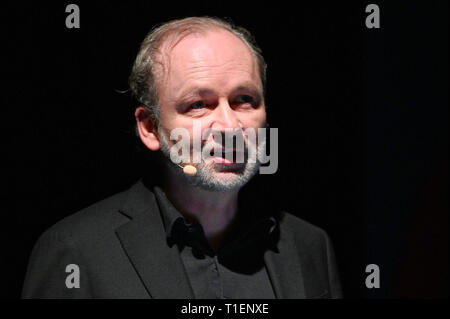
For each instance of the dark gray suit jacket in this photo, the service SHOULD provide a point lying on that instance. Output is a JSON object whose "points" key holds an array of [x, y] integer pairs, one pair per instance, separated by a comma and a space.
{"points": [[120, 247]]}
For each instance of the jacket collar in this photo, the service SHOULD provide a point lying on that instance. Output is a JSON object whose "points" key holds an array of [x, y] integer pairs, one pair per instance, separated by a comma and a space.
{"points": [[160, 268], [144, 240]]}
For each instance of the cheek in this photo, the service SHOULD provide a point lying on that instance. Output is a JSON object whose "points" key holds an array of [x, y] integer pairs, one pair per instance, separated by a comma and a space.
{"points": [[195, 129], [172, 121]]}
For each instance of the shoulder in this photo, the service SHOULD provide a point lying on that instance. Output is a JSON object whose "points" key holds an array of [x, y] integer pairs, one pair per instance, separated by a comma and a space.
{"points": [[315, 254], [299, 230], [95, 221], [301, 226]]}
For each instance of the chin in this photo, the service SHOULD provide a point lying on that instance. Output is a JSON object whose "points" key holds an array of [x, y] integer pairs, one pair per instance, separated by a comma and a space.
{"points": [[225, 181]]}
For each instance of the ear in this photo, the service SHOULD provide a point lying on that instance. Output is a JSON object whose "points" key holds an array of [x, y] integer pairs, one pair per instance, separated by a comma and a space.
{"points": [[146, 127]]}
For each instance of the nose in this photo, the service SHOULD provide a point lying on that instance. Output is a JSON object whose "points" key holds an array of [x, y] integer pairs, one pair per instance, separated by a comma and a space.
{"points": [[225, 117]]}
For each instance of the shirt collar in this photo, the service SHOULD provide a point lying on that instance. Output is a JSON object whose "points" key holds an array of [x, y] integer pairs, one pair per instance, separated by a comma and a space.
{"points": [[253, 227], [169, 213]]}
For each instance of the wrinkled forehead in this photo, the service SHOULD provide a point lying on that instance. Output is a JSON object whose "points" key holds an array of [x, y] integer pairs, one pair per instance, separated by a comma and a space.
{"points": [[210, 52]]}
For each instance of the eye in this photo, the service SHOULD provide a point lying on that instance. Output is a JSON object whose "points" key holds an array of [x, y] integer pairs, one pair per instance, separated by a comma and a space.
{"points": [[197, 105], [244, 99]]}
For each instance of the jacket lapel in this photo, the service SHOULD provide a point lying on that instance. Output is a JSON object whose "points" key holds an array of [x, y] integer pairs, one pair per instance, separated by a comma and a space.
{"points": [[144, 241], [161, 270]]}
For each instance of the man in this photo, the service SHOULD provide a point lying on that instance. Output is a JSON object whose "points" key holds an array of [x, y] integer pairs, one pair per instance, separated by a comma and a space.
{"points": [[189, 233]]}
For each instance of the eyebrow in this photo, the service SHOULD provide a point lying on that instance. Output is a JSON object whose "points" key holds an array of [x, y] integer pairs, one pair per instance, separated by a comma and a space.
{"points": [[249, 88], [202, 91]]}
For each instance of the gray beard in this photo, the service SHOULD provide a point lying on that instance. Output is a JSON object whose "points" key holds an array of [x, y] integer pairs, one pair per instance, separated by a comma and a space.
{"points": [[207, 176]]}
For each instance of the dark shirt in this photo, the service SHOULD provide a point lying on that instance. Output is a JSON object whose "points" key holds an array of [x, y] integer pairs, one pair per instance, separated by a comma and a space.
{"points": [[237, 269]]}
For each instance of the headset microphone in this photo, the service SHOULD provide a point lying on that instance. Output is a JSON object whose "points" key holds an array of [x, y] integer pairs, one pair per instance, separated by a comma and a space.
{"points": [[189, 170]]}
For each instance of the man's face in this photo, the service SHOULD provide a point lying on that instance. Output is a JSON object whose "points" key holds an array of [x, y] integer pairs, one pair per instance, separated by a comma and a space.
{"points": [[213, 79]]}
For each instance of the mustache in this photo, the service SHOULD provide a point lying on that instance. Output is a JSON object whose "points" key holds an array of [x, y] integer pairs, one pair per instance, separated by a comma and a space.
{"points": [[226, 141]]}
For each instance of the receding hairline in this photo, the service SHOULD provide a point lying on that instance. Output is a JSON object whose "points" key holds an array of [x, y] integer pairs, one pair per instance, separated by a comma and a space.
{"points": [[148, 67], [172, 39], [162, 55]]}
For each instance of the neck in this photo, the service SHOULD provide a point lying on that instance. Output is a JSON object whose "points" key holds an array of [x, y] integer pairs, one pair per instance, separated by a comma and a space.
{"points": [[215, 211]]}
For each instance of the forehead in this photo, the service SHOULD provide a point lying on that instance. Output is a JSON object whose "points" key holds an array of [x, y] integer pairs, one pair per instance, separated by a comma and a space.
{"points": [[216, 57]]}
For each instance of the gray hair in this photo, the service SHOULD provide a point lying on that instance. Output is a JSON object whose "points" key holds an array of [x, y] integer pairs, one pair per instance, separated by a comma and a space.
{"points": [[143, 79]]}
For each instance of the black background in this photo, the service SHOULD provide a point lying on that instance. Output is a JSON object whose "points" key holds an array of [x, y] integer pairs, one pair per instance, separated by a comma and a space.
{"points": [[362, 117]]}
